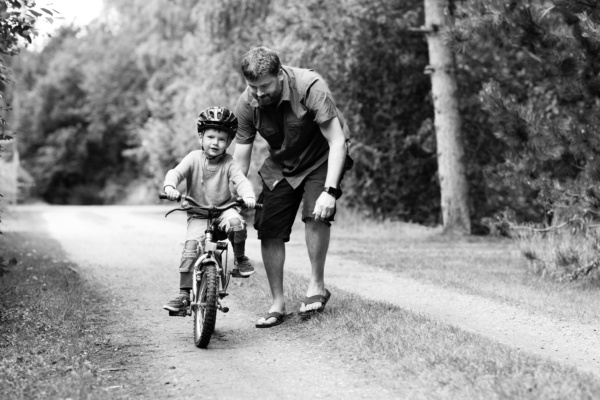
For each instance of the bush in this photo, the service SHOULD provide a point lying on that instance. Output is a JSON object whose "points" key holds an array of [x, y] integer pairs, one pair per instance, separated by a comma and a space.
{"points": [[564, 254]]}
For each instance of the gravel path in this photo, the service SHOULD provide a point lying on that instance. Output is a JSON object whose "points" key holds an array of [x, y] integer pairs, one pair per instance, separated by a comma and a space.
{"points": [[132, 253], [121, 248]]}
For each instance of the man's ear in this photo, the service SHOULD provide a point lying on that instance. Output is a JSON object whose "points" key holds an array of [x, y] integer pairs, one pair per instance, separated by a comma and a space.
{"points": [[280, 75]]}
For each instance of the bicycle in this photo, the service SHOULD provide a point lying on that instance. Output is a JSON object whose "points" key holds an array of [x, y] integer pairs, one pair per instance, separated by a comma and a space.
{"points": [[211, 276]]}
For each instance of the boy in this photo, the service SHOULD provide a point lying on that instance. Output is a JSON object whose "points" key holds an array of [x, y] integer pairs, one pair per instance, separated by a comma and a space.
{"points": [[207, 173]]}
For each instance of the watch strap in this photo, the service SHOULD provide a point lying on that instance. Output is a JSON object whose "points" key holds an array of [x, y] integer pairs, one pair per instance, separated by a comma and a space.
{"points": [[332, 191]]}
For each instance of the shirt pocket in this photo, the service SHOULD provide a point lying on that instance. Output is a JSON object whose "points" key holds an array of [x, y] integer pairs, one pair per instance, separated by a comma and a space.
{"points": [[267, 131], [272, 136]]}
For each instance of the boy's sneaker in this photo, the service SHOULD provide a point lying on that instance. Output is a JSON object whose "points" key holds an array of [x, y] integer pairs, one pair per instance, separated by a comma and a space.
{"points": [[181, 302], [243, 267]]}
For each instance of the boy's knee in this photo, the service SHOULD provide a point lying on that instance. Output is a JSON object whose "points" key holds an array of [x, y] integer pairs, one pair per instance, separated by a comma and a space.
{"points": [[190, 249], [236, 224], [188, 256], [191, 245]]}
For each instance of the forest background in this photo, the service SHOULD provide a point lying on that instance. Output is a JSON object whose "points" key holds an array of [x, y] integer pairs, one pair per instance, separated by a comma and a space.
{"points": [[102, 112]]}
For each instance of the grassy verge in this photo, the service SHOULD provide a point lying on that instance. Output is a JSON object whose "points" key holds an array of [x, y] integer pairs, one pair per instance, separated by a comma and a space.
{"points": [[563, 255], [47, 337], [490, 267], [417, 357]]}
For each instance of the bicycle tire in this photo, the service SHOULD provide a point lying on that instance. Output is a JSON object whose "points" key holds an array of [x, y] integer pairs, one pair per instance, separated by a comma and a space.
{"points": [[205, 316]]}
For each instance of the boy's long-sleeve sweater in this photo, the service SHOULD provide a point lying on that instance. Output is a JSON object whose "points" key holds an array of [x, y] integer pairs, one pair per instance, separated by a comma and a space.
{"points": [[209, 184]]}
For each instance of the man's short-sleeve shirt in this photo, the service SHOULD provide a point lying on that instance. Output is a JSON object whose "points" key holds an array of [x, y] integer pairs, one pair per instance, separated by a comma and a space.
{"points": [[291, 128]]}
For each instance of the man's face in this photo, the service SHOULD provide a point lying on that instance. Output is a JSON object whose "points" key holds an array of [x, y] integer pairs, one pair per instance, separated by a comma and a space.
{"points": [[266, 89]]}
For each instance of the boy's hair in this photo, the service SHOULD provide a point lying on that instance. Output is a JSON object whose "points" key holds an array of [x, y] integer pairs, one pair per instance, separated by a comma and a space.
{"points": [[259, 61], [218, 118]]}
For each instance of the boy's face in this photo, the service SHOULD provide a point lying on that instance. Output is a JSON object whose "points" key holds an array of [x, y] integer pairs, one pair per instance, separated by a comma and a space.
{"points": [[214, 142]]}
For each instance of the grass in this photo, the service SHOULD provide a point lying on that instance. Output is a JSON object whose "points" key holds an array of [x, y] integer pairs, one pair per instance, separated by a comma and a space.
{"points": [[490, 267], [562, 253], [47, 337], [417, 357]]}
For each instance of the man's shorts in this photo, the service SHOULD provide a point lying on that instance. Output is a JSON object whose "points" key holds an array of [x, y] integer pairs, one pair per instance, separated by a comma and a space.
{"points": [[281, 204]]}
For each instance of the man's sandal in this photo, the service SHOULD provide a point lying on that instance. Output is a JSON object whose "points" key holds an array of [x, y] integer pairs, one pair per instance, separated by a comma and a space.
{"points": [[315, 299], [279, 318]]}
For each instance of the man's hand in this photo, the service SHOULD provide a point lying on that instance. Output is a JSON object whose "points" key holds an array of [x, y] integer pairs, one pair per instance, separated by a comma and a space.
{"points": [[324, 207], [249, 202], [172, 193]]}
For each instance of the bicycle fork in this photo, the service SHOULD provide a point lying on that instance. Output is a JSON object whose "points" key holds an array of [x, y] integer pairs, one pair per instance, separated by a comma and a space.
{"points": [[209, 258]]}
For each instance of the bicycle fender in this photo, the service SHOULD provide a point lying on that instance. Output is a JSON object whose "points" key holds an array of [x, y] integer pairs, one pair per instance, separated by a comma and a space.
{"points": [[210, 259], [200, 260]]}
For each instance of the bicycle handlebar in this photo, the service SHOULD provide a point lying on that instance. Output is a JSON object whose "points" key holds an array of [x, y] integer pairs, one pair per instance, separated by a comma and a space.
{"points": [[238, 202]]}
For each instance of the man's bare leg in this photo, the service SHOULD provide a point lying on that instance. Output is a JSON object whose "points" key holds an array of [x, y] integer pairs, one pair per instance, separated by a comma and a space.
{"points": [[273, 254], [317, 242]]}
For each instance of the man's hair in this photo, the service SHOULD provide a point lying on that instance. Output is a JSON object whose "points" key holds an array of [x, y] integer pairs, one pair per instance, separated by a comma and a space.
{"points": [[259, 61]]}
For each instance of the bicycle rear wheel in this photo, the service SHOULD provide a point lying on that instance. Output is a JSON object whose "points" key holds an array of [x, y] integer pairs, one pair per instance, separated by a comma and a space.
{"points": [[205, 312]]}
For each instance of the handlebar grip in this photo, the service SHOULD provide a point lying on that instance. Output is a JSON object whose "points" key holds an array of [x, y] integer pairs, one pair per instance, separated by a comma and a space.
{"points": [[163, 196], [257, 206]]}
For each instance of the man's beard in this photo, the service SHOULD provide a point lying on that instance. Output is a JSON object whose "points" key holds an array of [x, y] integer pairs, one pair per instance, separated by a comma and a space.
{"points": [[267, 100]]}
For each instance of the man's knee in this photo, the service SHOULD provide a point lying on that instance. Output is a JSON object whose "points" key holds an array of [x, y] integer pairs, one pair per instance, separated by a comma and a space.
{"points": [[312, 223]]}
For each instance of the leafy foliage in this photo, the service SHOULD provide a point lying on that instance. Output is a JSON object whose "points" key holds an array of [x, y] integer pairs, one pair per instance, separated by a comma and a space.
{"points": [[538, 62], [17, 20], [86, 108], [527, 86]]}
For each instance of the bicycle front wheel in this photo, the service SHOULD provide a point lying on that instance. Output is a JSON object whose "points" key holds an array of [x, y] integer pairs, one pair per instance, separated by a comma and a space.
{"points": [[205, 312]]}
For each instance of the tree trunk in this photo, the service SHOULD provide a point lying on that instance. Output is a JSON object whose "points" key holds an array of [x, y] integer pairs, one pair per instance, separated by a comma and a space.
{"points": [[447, 121]]}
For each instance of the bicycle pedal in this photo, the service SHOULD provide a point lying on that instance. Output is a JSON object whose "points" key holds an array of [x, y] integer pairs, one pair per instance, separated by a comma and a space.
{"points": [[180, 313], [223, 294], [236, 274]]}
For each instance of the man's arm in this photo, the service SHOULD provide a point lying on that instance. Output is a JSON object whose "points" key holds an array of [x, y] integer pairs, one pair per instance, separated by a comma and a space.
{"points": [[242, 156], [333, 133]]}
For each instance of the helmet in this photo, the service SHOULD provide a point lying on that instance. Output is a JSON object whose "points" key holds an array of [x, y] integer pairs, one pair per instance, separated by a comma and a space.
{"points": [[218, 118]]}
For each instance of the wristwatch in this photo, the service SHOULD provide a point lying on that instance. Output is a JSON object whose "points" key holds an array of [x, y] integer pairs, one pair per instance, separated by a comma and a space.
{"points": [[332, 191]]}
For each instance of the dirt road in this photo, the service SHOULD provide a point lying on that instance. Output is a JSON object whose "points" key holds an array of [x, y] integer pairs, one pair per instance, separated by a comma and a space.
{"points": [[130, 252]]}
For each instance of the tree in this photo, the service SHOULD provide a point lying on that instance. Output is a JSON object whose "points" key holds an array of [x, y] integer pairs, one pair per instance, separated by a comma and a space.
{"points": [[447, 120], [80, 114], [540, 93], [17, 21]]}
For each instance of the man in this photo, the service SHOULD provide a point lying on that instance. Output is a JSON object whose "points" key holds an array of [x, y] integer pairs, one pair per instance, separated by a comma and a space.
{"points": [[293, 109]]}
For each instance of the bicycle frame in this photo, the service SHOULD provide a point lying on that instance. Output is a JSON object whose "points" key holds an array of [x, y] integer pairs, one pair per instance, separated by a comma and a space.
{"points": [[211, 253]]}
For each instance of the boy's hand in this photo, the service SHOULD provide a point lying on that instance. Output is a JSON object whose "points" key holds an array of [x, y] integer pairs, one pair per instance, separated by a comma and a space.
{"points": [[249, 202], [172, 193]]}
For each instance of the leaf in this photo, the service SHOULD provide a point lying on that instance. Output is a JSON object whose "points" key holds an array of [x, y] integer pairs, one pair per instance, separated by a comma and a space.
{"points": [[46, 11]]}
